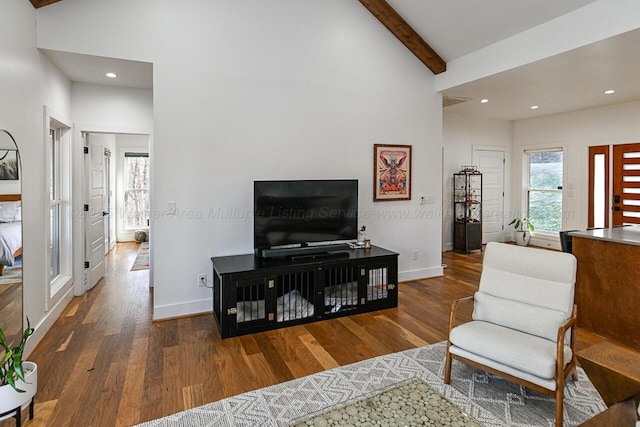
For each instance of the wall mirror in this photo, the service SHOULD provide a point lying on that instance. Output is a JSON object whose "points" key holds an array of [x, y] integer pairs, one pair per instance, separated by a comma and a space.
{"points": [[10, 239]]}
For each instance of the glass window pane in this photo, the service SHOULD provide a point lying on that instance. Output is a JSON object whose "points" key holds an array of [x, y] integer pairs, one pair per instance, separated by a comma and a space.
{"points": [[137, 172], [598, 191], [136, 208], [52, 164], [545, 210], [54, 248], [137, 190], [545, 170]]}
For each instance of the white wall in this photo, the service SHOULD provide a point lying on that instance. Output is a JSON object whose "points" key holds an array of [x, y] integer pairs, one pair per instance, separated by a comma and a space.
{"points": [[461, 133], [577, 130], [28, 81], [243, 91]]}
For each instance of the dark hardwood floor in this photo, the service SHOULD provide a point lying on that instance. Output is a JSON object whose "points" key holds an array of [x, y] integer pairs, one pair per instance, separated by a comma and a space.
{"points": [[105, 363]]}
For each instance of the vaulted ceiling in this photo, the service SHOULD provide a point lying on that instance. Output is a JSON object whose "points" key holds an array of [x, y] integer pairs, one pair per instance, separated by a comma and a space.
{"points": [[389, 18], [455, 28]]}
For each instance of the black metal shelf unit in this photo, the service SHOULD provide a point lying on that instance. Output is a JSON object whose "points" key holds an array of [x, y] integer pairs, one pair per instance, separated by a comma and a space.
{"points": [[252, 294], [467, 209]]}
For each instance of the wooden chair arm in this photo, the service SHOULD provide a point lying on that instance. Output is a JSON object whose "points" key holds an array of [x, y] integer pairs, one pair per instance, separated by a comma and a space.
{"points": [[570, 323], [454, 308]]}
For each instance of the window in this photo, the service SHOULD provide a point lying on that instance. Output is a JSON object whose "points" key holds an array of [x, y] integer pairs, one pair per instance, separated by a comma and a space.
{"points": [[58, 222], [55, 203], [136, 200], [544, 189]]}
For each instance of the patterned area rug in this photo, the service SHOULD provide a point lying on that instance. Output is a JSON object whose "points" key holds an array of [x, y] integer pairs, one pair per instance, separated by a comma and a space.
{"points": [[487, 398], [12, 274], [142, 259]]}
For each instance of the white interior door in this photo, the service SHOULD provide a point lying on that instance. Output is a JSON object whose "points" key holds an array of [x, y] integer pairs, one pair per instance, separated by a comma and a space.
{"points": [[491, 165], [95, 218]]}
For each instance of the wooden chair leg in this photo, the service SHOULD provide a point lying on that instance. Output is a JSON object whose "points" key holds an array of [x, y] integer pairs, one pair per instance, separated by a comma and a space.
{"points": [[447, 368], [559, 406], [574, 374]]}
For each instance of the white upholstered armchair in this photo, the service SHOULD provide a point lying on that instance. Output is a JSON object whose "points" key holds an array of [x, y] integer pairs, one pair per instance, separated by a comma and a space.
{"points": [[523, 322]]}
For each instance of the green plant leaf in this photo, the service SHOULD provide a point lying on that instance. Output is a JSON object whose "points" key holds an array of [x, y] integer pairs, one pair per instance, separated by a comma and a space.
{"points": [[11, 368], [3, 341], [17, 365], [7, 356]]}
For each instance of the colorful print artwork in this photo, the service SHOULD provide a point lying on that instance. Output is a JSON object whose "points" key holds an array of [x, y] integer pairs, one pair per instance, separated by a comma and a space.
{"points": [[392, 172]]}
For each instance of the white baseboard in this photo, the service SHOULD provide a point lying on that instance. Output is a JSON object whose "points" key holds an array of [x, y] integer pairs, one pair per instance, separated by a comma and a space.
{"points": [[448, 247], [422, 273], [191, 308]]}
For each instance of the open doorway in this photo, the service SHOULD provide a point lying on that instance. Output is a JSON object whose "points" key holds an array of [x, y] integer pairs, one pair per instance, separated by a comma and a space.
{"points": [[117, 195]]}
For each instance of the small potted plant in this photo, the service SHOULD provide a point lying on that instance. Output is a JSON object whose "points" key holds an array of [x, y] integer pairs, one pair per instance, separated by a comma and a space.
{"points": [[523, 228], [18, 378]]}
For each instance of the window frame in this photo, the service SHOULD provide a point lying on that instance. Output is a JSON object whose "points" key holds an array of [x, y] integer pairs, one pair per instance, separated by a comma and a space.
{"points": [[527, 189], [55, 201], [57, 195], [127, 154]]}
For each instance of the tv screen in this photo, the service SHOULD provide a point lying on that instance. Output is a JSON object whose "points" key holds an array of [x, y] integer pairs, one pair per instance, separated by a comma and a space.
{"points": [[288, 213]]}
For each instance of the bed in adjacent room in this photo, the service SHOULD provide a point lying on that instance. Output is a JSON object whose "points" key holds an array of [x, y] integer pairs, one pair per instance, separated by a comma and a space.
{"points": [[10, 229]]}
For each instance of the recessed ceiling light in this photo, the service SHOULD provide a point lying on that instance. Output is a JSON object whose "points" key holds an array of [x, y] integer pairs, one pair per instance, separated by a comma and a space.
{"points": [[484, 100], [111, 75], [534, 107], [609, 92]]}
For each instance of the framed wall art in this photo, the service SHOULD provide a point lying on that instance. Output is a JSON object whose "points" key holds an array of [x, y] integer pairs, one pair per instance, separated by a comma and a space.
{"points": [[391, 172], [9, 165]]}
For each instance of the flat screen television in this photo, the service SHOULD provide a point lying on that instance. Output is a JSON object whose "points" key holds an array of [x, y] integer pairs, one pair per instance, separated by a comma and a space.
{"points": [[298, 214]]}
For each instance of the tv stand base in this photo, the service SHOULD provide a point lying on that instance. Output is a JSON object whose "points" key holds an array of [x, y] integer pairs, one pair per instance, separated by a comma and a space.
{"points": [[253, 294]]}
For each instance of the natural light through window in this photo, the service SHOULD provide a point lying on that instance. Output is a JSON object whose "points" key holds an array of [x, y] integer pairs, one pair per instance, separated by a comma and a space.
{"points": [[544, 193], [599, 191], [136, 167], [55, 203]]}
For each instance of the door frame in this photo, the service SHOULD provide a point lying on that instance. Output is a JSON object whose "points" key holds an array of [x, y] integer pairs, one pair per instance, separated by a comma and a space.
{"points": [[108, 205], [79, 191]]}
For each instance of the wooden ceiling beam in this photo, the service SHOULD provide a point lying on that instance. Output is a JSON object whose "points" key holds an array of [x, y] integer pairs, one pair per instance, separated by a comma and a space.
{"points": [[407, 35], [42, 3]]}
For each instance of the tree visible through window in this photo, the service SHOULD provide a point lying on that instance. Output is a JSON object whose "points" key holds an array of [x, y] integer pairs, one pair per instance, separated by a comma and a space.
{"points": [[136, 167], [545, 190]]}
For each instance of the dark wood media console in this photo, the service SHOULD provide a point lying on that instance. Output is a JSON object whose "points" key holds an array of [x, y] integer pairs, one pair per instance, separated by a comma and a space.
{"points": [[252, 294]]}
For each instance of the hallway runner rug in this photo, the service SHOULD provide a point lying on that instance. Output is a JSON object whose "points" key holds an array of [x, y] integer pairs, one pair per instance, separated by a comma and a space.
{"points": [[489, 399], [142, 259], [12, 274]]}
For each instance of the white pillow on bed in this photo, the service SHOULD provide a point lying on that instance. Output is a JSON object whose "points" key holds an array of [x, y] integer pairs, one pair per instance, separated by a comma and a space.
{"points": [[8, 211], [18, 216]]}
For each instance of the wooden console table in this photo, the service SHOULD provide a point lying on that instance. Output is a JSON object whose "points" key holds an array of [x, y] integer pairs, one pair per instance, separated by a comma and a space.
{"points": [[615, 373]]}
